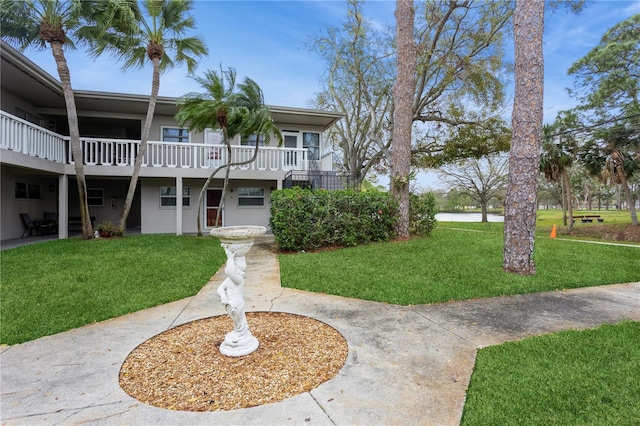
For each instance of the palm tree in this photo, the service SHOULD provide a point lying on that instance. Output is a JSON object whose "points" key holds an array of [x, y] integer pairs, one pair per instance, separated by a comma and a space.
{"points": [[555, 163], [621, 161], [158, 35], [56, 22], [235, 110], [611, 156]]}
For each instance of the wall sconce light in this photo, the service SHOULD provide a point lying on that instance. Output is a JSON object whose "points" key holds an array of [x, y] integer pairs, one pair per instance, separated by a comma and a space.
{"points": [[230, 189]]}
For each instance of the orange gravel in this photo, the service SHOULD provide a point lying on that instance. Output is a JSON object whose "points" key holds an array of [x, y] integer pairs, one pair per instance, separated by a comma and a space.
{"points": [[183, 369]]}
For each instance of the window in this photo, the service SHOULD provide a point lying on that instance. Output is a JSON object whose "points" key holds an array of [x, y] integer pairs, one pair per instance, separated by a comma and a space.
{"points": [[95, 197], [168, 196], [251, 140], [311, 142], [175, 134], [251, 197], [27, 116], [27, 191]]}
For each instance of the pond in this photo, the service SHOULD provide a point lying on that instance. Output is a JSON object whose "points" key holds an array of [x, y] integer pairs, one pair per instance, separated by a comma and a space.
{"points": [[467, 217]]}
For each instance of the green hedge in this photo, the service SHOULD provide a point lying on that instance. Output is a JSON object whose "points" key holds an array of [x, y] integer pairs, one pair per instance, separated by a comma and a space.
{"points": [[303, 219], [422, 213]]}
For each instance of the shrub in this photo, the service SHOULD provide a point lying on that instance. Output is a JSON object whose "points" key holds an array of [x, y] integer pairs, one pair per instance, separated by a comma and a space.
{"points": [[107, 229], [303, 219], [422, 213]]}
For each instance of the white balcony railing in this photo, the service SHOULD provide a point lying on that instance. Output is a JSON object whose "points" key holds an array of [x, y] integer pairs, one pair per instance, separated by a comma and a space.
{"points": [[24, 137]]}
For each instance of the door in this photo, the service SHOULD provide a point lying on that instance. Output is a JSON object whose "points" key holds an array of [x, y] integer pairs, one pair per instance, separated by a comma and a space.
{"points": [[211, 208], [291, 158], [214, 155]]}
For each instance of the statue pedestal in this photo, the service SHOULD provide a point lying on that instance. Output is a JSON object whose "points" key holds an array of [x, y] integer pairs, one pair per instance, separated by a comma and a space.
{"points": [[234, 345], [236, 242]]}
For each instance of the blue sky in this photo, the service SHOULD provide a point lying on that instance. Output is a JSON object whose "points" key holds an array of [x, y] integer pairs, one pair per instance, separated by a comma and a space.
{"points": [[267, 41]]}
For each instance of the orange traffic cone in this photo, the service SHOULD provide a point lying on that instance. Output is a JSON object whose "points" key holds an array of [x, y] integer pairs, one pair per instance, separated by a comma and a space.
{"points": [[553, 231]]}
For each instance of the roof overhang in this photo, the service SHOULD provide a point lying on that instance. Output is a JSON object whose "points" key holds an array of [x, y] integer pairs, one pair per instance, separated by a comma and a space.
{"points": [[28, 81]]}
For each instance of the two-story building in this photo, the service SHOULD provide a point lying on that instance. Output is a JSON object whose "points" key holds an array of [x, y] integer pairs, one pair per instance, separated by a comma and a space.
{"points": [[38, 175]]}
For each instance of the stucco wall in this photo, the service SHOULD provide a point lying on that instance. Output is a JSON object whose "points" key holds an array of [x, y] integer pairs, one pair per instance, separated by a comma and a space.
{"points": [[239, 215], [157, 219], [11, 224], [114, 192]]}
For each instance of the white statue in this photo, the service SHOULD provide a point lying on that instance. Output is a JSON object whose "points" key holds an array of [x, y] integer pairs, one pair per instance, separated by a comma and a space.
{"points": [[236, 242], [240, 341]]}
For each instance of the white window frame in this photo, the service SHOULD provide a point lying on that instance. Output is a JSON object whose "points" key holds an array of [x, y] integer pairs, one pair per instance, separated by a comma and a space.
{"points": [[180, 138], [186, 197], [263, 197]]}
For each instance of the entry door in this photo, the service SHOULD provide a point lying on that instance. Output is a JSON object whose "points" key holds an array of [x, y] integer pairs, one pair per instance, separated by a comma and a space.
{"points": [[214, 155], [291, 158], [211, 207]]}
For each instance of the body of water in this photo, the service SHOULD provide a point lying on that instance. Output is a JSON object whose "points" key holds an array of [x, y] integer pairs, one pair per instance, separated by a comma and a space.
{"points": [[467, 217]]}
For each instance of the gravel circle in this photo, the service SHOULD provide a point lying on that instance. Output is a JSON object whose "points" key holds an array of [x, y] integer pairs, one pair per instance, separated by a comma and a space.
{"points": [[183, 369]]}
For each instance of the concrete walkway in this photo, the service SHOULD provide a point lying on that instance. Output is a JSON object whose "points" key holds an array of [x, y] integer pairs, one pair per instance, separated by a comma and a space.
{"points": [[406, 364]]}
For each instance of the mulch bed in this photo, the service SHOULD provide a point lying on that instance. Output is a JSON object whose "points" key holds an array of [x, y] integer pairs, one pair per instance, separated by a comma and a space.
{"points": [[605, 232], [183, 369]]}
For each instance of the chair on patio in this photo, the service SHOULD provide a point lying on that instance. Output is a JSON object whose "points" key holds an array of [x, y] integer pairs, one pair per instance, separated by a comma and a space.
{"points": [[30, 225], [50, 222]]}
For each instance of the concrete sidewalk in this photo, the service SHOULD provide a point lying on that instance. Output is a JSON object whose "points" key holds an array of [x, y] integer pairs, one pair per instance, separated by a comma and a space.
{"points": [[406, 364]]}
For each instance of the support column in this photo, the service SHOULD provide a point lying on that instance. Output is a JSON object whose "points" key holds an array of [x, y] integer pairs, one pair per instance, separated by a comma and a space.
{"points": [[63, 206], [179, 205]]}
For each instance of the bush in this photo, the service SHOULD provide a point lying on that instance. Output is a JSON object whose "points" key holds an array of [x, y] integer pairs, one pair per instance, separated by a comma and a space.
{"points": [[303, 219], [422, 213], [107, 229]]}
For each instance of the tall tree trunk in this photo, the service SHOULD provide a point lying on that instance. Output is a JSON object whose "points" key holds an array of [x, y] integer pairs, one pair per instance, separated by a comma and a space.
{"points": [[133, 183], [484, 217], [524, 157], [74, 136], [630, 200], [569, 196], [563, 194], [403, 93], [619, 197]]}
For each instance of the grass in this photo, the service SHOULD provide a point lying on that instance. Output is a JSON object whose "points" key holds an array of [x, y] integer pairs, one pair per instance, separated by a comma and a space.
{"points": [[59, 285], [546, 218], [568, 378], [454, 264], [587, 377]]}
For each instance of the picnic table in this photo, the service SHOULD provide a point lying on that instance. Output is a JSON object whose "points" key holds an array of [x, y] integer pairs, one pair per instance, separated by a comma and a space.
{"points": [[588, 218]]}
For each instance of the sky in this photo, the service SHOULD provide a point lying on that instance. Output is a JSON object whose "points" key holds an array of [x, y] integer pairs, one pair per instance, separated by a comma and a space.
{"points": [[268, 41]]}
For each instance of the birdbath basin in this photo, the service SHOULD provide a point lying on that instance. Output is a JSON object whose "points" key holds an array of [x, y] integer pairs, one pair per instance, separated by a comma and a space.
{"points": [[229, 234], [236, 242]]}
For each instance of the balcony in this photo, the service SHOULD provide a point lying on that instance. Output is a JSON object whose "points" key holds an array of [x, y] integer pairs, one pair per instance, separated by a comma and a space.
{"points": [[24, 137]]}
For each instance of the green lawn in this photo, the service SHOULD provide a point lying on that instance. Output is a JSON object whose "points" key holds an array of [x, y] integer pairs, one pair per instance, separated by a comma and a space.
{"points": [[546, 218], [58, 285], [454, 264], [588, 377]]}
